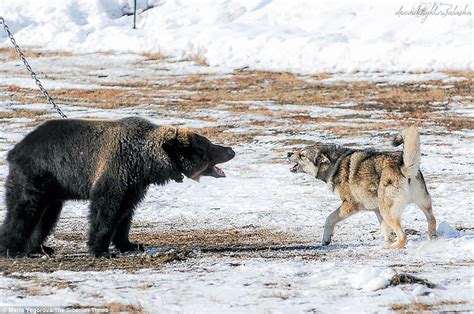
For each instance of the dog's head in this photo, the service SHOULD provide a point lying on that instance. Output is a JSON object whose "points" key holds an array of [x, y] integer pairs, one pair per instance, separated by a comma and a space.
{"points": [[312, 160], [195, 156]]}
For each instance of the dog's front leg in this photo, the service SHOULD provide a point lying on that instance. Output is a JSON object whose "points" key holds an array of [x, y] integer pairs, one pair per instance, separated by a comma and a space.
{"points": [[345, 210]]}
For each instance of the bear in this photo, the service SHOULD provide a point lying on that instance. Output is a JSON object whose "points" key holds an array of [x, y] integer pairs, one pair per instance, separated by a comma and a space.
{"points": [[111, 163]]}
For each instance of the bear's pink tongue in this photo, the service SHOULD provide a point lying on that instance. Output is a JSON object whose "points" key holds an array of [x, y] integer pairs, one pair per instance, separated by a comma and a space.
{"points": [[219, 172]]}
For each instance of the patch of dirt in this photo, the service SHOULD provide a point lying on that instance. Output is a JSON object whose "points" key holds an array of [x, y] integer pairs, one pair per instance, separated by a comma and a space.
{"points": [[81, 262], [108, 307], [183, 244]]}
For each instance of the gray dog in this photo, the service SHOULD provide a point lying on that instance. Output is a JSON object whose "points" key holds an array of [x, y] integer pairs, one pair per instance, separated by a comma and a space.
{"points": [[385, 182]]}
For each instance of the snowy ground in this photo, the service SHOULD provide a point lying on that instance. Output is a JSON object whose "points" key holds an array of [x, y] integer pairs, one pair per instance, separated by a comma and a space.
{"points": [[302, 35], [285, 270]]}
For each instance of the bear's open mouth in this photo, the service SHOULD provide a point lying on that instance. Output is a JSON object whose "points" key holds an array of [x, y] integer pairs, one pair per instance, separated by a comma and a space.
{"points": [[296, 168], [210, 171], [219, 172]]}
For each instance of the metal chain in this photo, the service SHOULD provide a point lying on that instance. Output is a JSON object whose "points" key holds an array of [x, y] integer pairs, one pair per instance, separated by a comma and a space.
{"points": [[28, 67]]}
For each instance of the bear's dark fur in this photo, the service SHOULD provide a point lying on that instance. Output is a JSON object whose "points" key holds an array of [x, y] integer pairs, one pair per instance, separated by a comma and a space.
{"points": [[111, 163]]}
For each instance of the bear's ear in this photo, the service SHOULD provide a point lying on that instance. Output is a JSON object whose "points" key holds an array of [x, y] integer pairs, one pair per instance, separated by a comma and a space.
{"points": [[171, 146], [184, 137]]}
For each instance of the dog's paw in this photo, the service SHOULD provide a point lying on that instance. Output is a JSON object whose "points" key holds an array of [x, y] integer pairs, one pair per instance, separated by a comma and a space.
{"points": [[325, 242], [397, 245]]}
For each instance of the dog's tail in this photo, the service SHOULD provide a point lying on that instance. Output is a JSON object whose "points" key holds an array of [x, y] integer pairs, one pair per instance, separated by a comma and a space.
{"points": [[411, 150]]}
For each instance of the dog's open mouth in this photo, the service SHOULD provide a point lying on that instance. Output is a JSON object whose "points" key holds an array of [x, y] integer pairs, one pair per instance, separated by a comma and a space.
{"points": [[296, 168]]}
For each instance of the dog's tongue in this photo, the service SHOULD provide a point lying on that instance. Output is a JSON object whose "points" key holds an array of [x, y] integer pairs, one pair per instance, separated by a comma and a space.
{"points": [[295, 168], [219, 172]]}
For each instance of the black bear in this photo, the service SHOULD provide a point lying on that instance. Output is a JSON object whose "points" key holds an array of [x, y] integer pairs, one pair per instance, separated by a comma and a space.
{"points": [[109, 162]]}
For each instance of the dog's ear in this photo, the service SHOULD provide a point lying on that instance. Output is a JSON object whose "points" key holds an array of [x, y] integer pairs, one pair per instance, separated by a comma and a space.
{"points": [[324, 159]]}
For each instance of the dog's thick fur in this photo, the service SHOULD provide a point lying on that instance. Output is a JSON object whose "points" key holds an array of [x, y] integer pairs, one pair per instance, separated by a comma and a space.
{"points": [[111, 163], [385, 182]]}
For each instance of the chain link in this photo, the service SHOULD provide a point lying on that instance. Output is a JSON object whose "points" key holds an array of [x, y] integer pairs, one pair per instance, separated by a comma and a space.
{"points": [[28, 67]]}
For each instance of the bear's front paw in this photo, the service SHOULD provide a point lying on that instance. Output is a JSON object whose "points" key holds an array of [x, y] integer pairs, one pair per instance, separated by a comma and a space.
{"points": [[106, 254], [130, 247], [42, 249]]}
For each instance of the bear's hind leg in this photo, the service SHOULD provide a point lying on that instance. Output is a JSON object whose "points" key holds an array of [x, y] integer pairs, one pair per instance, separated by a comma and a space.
{"points": [[44, 228], [25, 203]]}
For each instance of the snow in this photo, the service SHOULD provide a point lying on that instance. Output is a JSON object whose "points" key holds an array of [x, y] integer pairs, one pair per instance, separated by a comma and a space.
{"points": [[445, 230], [372, 279], [253, 285], [300, 36]]}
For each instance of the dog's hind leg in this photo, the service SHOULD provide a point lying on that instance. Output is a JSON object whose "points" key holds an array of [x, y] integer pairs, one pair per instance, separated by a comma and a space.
{"points": [[391, 215], [422, 199], [428, 211], [385, 228], [344, 211]]}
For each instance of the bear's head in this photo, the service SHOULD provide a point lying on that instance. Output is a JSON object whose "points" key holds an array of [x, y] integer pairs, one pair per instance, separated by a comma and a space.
{"points": [[195, 156]]}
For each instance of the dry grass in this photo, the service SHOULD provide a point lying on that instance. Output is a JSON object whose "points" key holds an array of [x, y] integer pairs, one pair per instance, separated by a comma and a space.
{"points": [[154, 56], [121, 308], [9, 54], [467, 74], [453, 123], [321, 76], [416, 307], [198, 59], [127, 84], [102, 98], [219, 134], [34, 292], [22, 113], [425, 103]]}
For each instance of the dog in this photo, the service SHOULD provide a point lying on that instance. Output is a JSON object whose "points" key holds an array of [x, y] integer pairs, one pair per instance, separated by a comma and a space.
{"points": [[367, 179], [109, 162]]}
